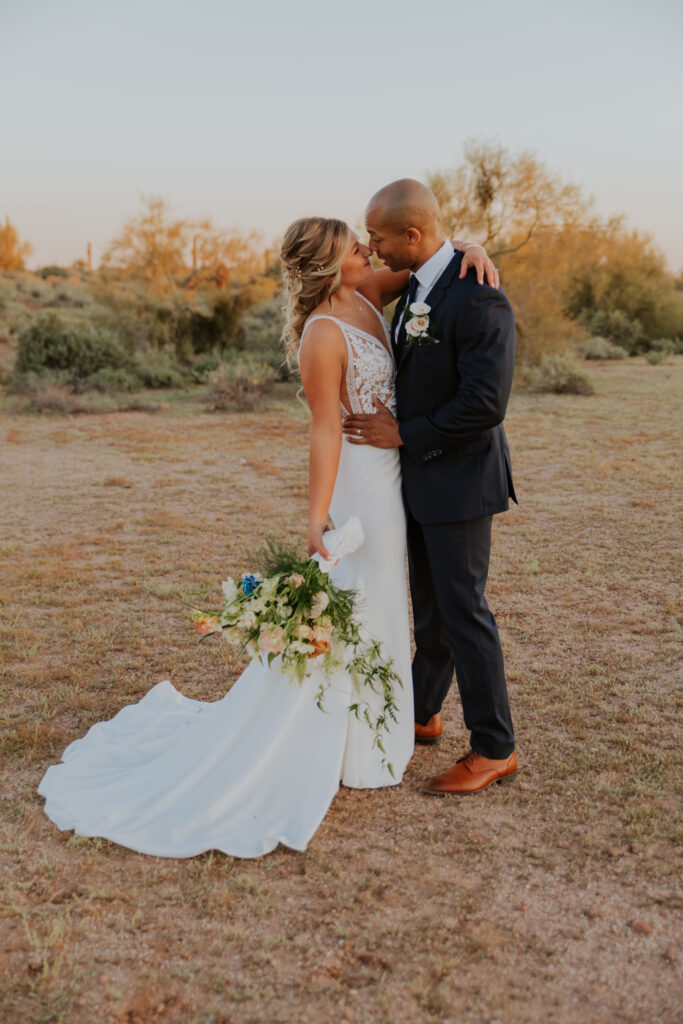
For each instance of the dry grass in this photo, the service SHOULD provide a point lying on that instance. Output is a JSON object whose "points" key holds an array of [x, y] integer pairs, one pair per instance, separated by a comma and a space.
{"points": [[552, 899]]}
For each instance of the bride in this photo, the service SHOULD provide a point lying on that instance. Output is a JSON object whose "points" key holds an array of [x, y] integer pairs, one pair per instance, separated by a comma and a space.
{"points": [[171, 776]]}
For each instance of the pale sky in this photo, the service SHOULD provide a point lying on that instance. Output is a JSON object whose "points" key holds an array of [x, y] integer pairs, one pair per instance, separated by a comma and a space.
{"points": [[258, 112]]}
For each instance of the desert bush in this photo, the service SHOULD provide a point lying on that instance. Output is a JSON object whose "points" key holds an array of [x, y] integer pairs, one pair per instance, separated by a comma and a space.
{"points": [[619, 328], [211, 324], [155, 370], [600, 348], [5, 371], [53, 272], [202, 367], [79, 350], [184, 325], [660, 350], [49, 393], [261, 333], [623, 272], [109, 380], [560, 374], [72, 294], [239, 384], [35, 288]]}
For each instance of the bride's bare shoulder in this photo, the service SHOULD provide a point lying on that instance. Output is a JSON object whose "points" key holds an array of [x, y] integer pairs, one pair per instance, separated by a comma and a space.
{"points": [[322, 339]]}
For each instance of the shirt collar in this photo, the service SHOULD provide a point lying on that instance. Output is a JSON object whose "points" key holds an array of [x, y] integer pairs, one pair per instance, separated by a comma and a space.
{"points": [[431, 271]]}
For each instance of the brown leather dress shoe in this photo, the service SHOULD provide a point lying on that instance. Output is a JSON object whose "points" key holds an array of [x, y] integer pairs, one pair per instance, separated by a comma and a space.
{"points": [[431, 732], [471, 773]]}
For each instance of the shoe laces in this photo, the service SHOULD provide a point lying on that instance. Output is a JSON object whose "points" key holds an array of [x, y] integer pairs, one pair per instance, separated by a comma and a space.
{"points": [[469, 758]]}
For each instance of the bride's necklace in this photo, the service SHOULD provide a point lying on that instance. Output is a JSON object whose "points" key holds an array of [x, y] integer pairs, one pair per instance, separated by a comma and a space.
{"points": [[358, 307]]}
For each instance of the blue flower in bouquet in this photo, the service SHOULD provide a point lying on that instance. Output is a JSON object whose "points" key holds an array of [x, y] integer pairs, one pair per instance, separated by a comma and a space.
{"points": [[250, 585]]}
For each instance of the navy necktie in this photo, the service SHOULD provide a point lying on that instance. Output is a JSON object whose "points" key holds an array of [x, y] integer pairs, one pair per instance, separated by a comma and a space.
{"points": [[412, 292], [412, 289]]}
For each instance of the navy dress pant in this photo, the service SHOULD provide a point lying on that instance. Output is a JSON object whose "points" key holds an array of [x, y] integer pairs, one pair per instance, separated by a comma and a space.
{"points": [[455, 630]]}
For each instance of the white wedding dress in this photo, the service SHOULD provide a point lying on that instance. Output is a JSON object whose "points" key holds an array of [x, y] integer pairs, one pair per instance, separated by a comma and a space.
{"points": [[172, 777]]}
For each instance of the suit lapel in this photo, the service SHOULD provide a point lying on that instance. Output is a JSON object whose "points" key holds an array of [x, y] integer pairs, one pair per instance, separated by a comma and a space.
{"points": [[436, 295], [443, 283]]}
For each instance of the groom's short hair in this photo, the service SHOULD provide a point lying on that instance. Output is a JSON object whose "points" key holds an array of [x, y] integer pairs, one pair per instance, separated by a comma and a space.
{"points": [[406, 203]]}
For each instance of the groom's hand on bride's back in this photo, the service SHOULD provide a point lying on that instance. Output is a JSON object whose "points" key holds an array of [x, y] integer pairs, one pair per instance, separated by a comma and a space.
{"points": [[378, 429]]}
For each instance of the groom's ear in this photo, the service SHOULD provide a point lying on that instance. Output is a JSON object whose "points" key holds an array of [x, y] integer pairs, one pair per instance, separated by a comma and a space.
{"points": [[413, 236]]}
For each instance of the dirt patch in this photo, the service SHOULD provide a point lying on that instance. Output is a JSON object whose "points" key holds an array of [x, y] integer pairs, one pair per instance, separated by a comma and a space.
{"points": [[552, 899]]}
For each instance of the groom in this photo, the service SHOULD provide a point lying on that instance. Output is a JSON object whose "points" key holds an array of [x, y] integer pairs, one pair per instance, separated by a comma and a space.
{"points": [[454, 362]]}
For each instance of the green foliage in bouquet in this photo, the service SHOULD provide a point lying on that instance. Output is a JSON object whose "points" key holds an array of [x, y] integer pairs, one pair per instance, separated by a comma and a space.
{"points": [[293, 612]]}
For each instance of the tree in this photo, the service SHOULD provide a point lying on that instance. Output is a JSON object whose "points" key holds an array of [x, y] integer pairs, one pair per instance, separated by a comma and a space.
{"points": [[13, 253], [505, 201], [224, 255], [164, 250], [624, 272], [560, 264], [151, 245]]}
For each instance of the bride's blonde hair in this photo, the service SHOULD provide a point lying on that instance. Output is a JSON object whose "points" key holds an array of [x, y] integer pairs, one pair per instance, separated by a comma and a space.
{"points": [[312, 253]]}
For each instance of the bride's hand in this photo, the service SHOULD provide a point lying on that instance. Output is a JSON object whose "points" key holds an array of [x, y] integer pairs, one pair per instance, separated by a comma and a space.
{"points": [[477, 257], [315, 542]]}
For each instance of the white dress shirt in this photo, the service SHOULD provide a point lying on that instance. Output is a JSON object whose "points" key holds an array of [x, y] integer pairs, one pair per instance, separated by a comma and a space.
{"points": [[428, 274]]}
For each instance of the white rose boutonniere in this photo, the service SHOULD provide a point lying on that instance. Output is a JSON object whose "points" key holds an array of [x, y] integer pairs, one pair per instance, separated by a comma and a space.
{"points": [[417, 326]]}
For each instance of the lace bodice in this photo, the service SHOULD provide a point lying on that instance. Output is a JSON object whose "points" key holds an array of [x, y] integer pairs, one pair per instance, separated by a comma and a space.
{"points": [[371, 369]]}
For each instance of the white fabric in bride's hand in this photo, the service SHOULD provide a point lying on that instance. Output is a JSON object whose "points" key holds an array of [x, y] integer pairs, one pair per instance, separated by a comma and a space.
{"points": [[341, 542], [173, 777]]}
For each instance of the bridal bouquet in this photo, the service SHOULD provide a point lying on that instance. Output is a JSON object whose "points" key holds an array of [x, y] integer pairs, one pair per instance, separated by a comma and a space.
{"points": [[291, 611]]}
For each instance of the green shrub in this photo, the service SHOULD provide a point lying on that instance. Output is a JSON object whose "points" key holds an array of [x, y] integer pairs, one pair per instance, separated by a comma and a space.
{"points": [[666, 345], [155, 370], [600, 348], [240, 383], [660, 351], [561, 374], [53, 272], [109, 380], [49, 393], [202, 367], [619, 328], [51, 343], [73, 294], [261, 332]]}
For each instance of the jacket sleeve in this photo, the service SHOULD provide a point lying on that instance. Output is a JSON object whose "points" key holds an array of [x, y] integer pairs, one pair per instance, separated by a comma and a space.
{"points": [[485, 340]]}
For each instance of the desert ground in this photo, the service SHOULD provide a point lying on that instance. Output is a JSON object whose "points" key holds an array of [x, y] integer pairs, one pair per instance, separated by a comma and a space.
{"points": [[555, 898]]}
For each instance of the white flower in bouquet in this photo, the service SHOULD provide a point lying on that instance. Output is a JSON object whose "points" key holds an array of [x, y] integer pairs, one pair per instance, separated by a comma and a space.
{"points": [[320, 603], [304, 632], [301, 647], [230, 590]]}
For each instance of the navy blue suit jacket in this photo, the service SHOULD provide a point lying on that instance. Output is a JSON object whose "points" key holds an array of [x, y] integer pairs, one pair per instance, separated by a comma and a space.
{"points": [[452, 398]]}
